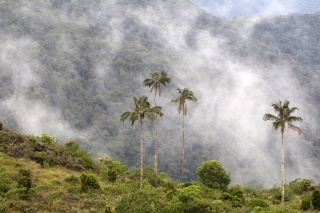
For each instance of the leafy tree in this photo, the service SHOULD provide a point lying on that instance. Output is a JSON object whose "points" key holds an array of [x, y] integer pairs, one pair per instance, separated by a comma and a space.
{"points": [[283, 117], [155, 82], [212, 174], [184, 94], [141, 109]]}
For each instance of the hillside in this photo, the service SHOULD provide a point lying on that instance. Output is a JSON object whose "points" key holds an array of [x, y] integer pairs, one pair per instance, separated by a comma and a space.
{"points": [[71, 68], [28, 185]]}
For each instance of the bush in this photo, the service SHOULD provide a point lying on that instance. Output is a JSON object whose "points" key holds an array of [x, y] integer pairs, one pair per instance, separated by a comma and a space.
{"points": [[148, 173], [316, 199], [202, 206], [24, 180], [212, 174], [189, 193], [88, 181], [145, 201], [44, 159], [300, 186], [226, 197], [116, 168], [306, 203], [257, 202]]}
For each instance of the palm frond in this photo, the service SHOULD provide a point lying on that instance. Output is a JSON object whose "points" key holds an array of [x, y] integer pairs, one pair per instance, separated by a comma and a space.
{"points": [[269, 116], [284, 116], [295, 128], [124, 116]]}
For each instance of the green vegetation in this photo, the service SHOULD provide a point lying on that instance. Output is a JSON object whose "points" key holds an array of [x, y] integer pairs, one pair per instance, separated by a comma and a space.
{"points": [[28, 185], [213, 175]]}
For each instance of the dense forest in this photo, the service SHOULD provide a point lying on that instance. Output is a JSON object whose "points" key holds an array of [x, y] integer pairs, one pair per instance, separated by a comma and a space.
{"points": [[71, 68]]}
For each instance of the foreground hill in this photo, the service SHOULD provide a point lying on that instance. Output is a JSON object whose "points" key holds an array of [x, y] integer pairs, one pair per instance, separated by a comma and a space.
{"points": [[71, 68], [30, 186]]}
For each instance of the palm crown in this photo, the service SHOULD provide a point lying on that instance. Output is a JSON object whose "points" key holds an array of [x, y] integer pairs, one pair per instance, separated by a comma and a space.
{"points": [[284, 116], [142, 108], [184, 94], [156, 80]]}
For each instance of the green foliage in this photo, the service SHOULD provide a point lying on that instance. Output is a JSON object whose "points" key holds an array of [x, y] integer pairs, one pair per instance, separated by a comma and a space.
{"points": [[44, 159], [146, 201], [226, 197], [48, 139], [203, 206], [88, 181], [190, 193], [5, 182], [107, 209], [211, 173], [300, 186], [315, 199], [148, 173], [255, 202], [24, 180], [306, 203], [116, 169], [72, 147]]}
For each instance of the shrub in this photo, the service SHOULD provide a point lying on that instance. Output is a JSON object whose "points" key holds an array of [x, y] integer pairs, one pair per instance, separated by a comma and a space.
{"points": [[300, 186], [226, 197], [88, 181], [44, 159], [145, 201], [148, 174], [72, 147], [24, 180], [316, 199], [116, 168], [211, 173], [306, 203], [48, 139], [107, 209], [257, 202], [202, 206], [189, 193]]}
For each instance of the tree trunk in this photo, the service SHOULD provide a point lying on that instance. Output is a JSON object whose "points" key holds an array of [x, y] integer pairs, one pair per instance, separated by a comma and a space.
{"points": [[282, 171], [156, 146], [141, 156], [182, 148]]}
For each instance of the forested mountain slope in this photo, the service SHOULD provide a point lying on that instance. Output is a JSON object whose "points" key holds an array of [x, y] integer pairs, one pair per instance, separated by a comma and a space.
{"points": [[71, 68]]}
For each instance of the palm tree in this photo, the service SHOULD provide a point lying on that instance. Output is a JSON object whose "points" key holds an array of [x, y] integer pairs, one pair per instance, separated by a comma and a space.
{"points": [[284, 116], [155, 83], [141, 109], [184, 94]]}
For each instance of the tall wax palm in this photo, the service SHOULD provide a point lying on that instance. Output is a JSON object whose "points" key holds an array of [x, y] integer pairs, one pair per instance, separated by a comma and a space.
{"points": [[142, 108], [155, 82], [184, 94], [283, 117]]}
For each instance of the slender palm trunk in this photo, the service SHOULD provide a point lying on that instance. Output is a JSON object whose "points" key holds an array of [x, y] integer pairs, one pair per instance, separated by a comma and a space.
{"points": [[182, 148], [141, 156], [156, 146], [282, 171]]}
